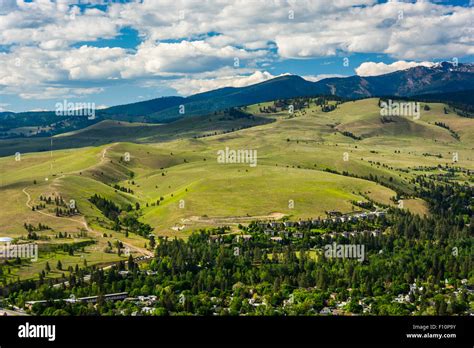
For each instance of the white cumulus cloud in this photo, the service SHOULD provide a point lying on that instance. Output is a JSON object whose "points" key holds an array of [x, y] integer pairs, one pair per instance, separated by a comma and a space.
{"points": [[316, 78], [188, 86], [374, 69]]}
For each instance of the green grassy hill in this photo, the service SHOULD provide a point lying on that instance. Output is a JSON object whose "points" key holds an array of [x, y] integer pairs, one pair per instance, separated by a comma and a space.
{"points": [[306, 157]]}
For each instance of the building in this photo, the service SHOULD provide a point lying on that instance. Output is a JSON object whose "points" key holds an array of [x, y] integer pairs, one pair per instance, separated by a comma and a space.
{"points": [[380, 213], [303, 223], [325, 311], [244, 237], [269, 232], [89, 299]]}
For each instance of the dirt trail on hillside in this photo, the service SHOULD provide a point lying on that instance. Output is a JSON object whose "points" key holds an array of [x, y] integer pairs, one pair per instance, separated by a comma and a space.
{"points": [[82, 221]]}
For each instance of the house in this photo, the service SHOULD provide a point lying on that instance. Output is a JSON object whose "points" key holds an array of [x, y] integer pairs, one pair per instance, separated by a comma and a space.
{"points": [[148, 299], [288, 224], [380, 213], [366, 308], [269, 232], [147, 310], [246, 237], [303, 223], [298, 235], [276, 239], [325, 311]]}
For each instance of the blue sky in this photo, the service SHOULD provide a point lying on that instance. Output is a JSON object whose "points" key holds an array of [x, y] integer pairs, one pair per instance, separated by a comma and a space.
{"points": [[126, 52]]}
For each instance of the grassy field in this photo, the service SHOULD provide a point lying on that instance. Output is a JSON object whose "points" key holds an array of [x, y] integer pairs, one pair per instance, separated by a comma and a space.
{"points": [[176, 178]]}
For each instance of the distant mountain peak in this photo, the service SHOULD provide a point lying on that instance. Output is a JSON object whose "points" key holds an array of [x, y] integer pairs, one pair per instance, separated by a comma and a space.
{"points": [[439, 79], [453, 66]]}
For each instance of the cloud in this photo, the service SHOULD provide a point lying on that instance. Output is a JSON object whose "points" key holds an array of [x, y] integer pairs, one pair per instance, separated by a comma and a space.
{"points": [[62, 93], [37, 23], [27, 71], [190, 57], [3, 107], [374, 69], [189, 86], [300, 29], [316, 78], [45, 45]]}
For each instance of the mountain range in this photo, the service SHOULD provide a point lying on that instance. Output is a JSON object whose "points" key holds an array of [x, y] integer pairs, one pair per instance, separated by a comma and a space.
{"points": [[444, 82]]}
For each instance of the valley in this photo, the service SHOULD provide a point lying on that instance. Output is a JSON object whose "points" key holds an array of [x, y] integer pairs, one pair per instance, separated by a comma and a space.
{"points": [[169, 176]]}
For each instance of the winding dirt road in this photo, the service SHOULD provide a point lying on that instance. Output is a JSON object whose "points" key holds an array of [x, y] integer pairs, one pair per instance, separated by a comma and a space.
{"points": [[83, 221]]}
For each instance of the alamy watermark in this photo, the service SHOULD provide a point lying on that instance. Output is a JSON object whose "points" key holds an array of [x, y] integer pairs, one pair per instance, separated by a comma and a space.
{"points": [[345, 251], [237, 156], [37, 331], [22, 251], [75, 109], [395, 108]]}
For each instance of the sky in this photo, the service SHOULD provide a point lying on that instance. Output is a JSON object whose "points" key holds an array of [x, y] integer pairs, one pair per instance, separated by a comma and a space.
{"points": [[117, 52]]}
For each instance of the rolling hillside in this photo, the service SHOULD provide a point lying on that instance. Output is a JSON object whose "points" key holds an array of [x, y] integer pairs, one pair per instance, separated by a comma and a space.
{"points": [[444, 78], [175, 184]]}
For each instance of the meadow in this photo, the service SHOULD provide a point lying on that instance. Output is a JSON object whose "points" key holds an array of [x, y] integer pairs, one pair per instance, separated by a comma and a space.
{"points": [[172, 171]]}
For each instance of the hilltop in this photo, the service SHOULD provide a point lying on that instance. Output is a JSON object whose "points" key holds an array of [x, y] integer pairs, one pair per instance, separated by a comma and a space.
{"points": [[443, 82]]}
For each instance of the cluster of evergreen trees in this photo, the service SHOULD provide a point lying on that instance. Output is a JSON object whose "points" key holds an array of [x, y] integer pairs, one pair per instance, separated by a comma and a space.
{"points": [[107, 207], [128, 221]]}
